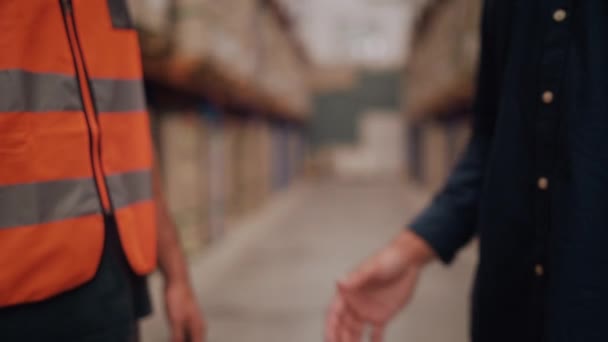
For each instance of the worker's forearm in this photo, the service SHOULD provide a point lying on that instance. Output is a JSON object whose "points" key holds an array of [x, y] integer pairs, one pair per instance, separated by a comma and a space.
{"points": [[171, 259]]}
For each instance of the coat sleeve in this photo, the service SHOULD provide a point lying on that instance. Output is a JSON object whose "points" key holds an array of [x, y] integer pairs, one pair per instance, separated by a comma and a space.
{"points": [[450, 220]]}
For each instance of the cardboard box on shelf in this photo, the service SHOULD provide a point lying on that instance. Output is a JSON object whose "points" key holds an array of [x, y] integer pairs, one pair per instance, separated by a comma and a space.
{"points": [[233, 183], [331, 79], [217, 176], [441, 68], [282, 74], [296, 152], [183, 147], [233, 52], [254, 165], [219, 31], [251, 167], [154, 21], [266, 147]]}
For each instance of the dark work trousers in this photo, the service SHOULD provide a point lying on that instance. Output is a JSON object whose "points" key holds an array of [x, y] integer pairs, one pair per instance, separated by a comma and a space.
{"points": [[106, 309]]}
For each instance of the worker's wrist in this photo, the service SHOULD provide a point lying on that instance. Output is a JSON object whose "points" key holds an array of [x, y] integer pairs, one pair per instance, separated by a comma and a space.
{"points": [[173, 267], [416, 250]]}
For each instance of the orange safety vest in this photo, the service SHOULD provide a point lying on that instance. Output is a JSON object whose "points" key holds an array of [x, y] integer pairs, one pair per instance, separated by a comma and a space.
{"points": [[74, 145]]}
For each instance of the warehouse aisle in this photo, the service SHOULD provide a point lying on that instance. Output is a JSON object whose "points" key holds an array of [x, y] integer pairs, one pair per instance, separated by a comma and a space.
{"points": [[270, 280]]}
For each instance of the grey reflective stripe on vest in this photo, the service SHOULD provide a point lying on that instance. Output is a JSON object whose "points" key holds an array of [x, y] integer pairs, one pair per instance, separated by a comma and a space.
{"points": [[24, 91], [45, 202], [113, 96], [130, 188]]}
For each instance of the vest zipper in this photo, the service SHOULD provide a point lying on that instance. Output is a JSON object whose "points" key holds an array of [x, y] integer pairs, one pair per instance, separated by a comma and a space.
{"points": [[89, 110]]}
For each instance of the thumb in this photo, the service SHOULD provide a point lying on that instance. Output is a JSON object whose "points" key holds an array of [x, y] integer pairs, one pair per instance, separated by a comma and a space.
{"points": [[360, 278]]}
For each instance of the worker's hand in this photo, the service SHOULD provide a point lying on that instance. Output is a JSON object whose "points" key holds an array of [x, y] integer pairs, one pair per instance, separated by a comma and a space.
{"points": [[185, 317], [373, 294]]}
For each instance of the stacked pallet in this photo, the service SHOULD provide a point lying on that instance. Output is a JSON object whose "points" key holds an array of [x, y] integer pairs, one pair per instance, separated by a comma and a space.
{"points": [[183, 154], [155, 21], [442, 65], [233, 133], [248, 174], [236, 52], [440, 78], [222, 75], [254, 165], [281, 71]]}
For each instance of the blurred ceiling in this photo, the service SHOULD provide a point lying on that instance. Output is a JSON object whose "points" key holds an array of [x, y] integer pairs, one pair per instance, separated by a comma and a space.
{"points": [[368, 33]]}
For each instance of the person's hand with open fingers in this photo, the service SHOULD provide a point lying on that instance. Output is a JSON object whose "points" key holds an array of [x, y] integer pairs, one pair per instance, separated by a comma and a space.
{"points": [[185, 317], [373, 294]]}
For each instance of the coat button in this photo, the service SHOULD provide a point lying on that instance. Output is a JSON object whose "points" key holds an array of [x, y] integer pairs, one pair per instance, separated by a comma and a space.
{"points": [[560, 15], [543, 183], [539, 270], [548, 97]]}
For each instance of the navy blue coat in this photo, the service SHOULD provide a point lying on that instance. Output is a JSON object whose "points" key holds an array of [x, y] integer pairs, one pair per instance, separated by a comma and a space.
{"points": [[533, 182]]}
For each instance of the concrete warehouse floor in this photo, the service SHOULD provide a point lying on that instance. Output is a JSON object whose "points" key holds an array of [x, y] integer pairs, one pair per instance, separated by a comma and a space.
{"points": [[270, 280]]}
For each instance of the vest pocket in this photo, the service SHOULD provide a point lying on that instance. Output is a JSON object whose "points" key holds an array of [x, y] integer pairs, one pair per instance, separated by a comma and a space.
{"points": [[119, 13]]}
